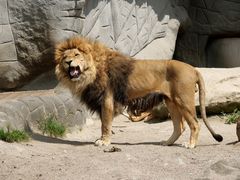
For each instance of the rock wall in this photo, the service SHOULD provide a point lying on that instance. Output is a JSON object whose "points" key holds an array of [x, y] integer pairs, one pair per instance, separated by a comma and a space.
{"points": [[129, 26], [212, 37], [27, 33], [208, 36], [29, 30]]}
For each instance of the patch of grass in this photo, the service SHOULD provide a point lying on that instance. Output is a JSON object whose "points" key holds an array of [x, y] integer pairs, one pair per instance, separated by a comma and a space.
{"points": [[52, 127], [13, 136], [232, 117]]}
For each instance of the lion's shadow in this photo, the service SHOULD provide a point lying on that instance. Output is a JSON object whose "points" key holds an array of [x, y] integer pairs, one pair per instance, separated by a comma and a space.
{"points": [[53, 140], [158, 144]]}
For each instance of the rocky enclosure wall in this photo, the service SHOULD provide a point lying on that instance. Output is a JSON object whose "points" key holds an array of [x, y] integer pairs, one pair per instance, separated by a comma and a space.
{"points": [[212, 37], [208, 35], [29, 30]]}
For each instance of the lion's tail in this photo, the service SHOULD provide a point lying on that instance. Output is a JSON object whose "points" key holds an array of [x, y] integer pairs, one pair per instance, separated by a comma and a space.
{"points": [[201, 87]]}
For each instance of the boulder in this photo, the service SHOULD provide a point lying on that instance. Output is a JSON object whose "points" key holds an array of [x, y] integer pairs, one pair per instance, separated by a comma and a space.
{"points": [[222, 89], [26, 109]]}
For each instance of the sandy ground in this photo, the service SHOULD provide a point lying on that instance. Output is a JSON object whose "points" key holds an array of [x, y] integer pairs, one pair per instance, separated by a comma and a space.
{"points": [[141, 157]]}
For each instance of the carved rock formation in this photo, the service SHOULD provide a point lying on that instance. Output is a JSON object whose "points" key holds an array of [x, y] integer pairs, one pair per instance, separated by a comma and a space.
{"points": [[208, 36], [127, 27], [29, 29]]}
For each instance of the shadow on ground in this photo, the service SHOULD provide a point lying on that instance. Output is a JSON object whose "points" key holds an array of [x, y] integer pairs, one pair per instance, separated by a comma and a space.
{"points": [[47, 139]]}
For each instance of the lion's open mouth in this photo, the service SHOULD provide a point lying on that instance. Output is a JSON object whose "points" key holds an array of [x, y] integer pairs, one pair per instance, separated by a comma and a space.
{"points": [[74, 72]]}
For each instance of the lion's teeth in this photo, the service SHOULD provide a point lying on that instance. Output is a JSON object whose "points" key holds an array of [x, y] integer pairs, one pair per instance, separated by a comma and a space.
{"points": [[74, 73]]}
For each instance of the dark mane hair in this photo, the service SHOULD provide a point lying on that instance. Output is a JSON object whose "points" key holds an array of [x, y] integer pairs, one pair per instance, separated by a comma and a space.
{"points": [[115, 74], [142, 104]]}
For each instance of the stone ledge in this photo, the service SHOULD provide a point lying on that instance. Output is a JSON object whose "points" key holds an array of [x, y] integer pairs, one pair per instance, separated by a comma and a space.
{"points": [[22, 110]]}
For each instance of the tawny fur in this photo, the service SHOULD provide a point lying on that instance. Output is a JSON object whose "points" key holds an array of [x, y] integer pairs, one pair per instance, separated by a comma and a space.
{"points": [[109, 80]]}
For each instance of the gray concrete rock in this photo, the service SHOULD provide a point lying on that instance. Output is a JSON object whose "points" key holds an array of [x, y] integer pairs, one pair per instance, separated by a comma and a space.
{"points": [[222, 89], [27, 109], [161, 48], [211, 23], [131, 26], [29, 30]]}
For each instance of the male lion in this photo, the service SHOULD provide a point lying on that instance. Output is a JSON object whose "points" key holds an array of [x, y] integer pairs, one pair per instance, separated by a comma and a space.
{"points": [[106, 80]]}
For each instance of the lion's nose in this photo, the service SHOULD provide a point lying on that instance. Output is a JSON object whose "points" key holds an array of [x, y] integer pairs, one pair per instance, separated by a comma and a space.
{"points": [[69, 62]]}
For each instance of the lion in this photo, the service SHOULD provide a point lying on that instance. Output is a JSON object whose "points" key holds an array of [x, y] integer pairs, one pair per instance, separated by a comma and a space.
{"points": [[107, 80]]}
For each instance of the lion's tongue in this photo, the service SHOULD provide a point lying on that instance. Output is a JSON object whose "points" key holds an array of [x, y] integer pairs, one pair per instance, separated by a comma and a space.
{"points": [[74, 72]]}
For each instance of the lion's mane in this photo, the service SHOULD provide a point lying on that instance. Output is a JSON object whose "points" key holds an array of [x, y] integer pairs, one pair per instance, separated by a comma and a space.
{"points": [[112, 69]]}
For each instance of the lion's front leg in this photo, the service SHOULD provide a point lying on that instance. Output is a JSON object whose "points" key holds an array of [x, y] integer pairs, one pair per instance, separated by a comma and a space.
{"points": [[107, 112]]}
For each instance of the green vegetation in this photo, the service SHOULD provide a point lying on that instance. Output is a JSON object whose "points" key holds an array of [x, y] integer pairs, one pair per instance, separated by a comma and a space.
{"points": [[232, 117], [52, 127], [13, 136]]}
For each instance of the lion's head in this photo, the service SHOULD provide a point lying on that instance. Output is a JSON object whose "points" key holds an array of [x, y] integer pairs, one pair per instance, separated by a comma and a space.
{"points": [[74, 62], [89, 68]]}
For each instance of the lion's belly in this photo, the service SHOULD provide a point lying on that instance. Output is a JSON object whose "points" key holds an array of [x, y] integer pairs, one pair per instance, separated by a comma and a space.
{"points": [[147, 77], [139, 87]]}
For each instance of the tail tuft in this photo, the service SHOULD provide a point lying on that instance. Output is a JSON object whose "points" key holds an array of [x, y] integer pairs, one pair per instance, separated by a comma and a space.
{"points": [[218, 137]]}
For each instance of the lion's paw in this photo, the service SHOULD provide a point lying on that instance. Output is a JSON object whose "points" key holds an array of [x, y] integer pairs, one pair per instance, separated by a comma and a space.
{"points": [[188, 146], [101, 142]]}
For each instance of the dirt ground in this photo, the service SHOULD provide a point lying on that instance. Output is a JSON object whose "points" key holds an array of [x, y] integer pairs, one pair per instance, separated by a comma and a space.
{"points": [[141, 156]]}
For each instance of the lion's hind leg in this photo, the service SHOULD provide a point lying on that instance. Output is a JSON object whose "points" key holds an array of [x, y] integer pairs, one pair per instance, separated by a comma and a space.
{"points": [[178, 123], [192, 121]]}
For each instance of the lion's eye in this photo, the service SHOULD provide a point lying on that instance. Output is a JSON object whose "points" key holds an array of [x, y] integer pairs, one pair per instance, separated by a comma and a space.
{"points": [[77, 55]]}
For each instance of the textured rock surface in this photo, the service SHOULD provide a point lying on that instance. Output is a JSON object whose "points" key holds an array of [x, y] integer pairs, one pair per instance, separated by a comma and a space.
{"points": [[23, 110], [210, 22], [129, 26], [30, 28], [161, 48], [222, 89], [142, 28], [28, 31]]}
